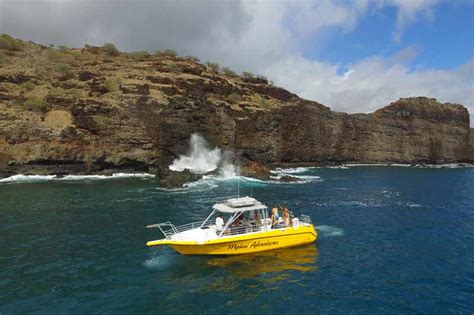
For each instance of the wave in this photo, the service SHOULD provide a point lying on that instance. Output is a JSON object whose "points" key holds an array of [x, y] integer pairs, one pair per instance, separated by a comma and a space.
{"points": [[447, 165], [329, 231], [409, 204], [295, 170], [27, 178], [40, 178]]}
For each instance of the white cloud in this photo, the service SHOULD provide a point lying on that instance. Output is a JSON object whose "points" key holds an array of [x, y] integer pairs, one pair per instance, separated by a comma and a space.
{"points": [[408, 11], [373, 83]]}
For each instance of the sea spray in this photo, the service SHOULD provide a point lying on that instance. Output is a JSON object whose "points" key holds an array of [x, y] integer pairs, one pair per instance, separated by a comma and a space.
{"points": [[201, 159], [329, 231]]}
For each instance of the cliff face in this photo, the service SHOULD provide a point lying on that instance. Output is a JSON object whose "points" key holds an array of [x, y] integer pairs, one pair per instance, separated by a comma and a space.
{"points": [[86, 110]]}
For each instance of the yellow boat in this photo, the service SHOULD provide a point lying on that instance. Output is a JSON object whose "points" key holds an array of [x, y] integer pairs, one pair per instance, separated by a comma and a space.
{"points": [[248, 229]]}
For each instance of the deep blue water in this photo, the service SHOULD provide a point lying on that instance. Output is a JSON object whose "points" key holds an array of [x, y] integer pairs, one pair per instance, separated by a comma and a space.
{"points": [[392, 240]]}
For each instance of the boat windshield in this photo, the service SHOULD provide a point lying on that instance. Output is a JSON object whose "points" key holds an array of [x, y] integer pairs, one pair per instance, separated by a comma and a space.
{"points": [[238, 222]]}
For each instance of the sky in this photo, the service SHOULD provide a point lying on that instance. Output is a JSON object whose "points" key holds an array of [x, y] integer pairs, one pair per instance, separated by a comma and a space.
{"points": [[353, 56]]}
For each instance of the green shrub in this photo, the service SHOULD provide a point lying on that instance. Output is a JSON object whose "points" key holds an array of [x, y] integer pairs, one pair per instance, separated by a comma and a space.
{"points": [[53, 55], [247, 74], [259, 100], [9, 43], [3, 59], [170, 52], [36, 104], [232, 98], [139, 55], [28, 85], [102, 120], [110, 50], [213, 66], [191, 58], [228, 72], [166, 53], [113, 84], [173, 68], [63, 69], [62, 48]]}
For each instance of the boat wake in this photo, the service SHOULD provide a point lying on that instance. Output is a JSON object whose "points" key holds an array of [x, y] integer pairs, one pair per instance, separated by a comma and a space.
{"points": [[329, 231], [158, 262]]}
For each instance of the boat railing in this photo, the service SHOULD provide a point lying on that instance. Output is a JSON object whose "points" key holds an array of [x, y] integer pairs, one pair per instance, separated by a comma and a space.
{"points": [[167, 228], [243, 229], [185, 227]]}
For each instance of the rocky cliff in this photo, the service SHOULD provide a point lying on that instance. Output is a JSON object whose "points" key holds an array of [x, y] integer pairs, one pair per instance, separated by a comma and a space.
{"points": [[95, 110]]}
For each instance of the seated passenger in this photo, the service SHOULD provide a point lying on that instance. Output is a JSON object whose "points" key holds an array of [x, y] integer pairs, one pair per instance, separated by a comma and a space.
{"points": [[286, 216], [258, 218], [219, 223], [275, 217]]}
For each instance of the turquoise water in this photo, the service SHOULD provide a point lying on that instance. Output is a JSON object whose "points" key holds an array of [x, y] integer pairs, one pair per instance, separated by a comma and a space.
{"points": [[392, 240]]}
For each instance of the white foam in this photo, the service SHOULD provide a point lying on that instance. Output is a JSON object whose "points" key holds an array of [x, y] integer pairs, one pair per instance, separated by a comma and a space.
{"points": [[295, 170], [409, 204], [365, 164], [329, 231], [27, 178], [447, 165], [97, 177], [299, 179], [158, 262], [38, 178]]}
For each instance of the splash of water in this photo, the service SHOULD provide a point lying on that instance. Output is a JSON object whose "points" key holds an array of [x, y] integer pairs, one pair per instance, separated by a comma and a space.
{"points": [[201, 159], [329, 231]]}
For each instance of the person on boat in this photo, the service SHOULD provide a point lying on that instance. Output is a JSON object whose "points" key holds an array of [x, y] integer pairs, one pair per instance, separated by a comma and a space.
{"points": [[219, 223], [275, 217], [258, 218], [286, 216]]}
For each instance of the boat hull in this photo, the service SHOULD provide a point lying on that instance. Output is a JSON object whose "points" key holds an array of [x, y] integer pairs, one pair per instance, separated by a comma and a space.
{"points": [[246, 243]]}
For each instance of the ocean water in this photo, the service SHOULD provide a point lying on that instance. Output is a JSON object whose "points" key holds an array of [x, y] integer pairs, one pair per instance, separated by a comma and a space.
{"points": [[391, 240]]}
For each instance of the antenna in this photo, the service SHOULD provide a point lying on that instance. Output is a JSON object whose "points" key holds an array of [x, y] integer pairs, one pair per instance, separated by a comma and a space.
{"points": [[238, 182]]}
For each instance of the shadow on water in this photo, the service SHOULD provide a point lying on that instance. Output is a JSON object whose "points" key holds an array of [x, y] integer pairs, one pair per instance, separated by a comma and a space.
{"points": [[301, 258], [255, 273]]}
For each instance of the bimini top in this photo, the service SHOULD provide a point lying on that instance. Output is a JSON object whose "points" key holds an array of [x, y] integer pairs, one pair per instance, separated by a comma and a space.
{"points": [[239, 204]]}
